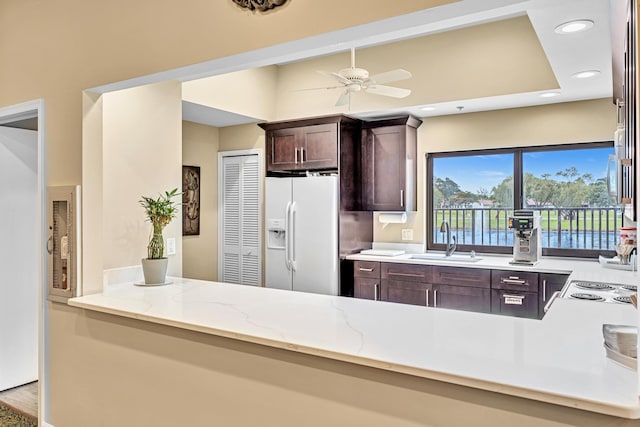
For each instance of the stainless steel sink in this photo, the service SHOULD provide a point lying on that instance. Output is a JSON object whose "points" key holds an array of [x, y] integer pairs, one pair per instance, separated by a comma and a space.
{"points": [[442, 257]]}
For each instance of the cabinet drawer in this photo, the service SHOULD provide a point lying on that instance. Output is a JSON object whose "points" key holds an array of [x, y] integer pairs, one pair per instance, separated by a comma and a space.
{"points": [[369, 269], [516, 304], [406, 272], [514, 280], [462, 276]]}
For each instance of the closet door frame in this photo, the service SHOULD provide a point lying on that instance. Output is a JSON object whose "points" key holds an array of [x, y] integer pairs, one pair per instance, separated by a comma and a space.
{"points": [[260, 158]]}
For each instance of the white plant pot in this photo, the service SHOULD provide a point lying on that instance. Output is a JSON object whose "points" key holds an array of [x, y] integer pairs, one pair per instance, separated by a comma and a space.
{"points": [[154, 270]]}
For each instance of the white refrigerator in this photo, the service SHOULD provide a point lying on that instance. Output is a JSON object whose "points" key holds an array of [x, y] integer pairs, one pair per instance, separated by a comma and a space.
{"points": [[302, 234]]}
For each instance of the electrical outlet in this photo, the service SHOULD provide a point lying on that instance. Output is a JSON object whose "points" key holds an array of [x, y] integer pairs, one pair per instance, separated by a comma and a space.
{"points": [[171, 246], [407, 234]]}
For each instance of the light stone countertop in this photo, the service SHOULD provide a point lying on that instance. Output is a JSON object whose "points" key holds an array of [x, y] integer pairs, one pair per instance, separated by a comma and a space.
{"points": [[559, 359]]}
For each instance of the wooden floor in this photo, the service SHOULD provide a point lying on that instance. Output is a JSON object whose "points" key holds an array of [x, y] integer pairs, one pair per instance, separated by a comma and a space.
{"points": [[24, 399]]}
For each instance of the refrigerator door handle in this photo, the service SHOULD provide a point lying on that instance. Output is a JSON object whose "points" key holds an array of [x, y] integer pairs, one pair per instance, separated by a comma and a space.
{"points": [[287, 234], [292, 227]]}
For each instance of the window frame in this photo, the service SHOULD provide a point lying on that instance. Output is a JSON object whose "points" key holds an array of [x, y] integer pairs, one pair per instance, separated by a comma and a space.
{"points": [[518, 189]]}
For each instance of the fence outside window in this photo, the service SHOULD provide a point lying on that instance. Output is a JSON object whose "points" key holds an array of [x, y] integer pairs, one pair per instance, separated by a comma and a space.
{"points": [[579, 228]]}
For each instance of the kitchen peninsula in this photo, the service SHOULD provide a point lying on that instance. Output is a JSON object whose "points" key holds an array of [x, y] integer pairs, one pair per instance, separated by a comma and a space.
{"points": [[558, 360]]}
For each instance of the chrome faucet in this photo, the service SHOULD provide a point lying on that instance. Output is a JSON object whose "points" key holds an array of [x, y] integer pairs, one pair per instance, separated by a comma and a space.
{"points": [[450, 240]]}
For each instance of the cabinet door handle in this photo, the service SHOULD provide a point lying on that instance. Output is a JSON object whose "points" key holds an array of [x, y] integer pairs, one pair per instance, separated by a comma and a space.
{"points": [[544, 290], [513, 280], [50, 245], [435, 297], [301, 155], [401, 198], [295, 158], [376, 289], [369, 270], [426, 294], [551, 300]]}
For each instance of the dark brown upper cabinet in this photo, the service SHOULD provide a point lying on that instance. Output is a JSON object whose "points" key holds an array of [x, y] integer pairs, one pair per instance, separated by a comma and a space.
{"points": [[389, 149], [312, 144]]}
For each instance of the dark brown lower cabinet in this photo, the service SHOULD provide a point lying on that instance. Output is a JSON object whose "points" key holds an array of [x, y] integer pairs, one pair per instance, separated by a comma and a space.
{"points": [[505, 292], [549, 283], [406, 292], [462, 298], [366, 288], [514, 303]]}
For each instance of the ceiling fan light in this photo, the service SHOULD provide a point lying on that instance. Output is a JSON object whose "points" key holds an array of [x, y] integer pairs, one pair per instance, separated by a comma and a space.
{"points": [[574, 26], [585, 74]]}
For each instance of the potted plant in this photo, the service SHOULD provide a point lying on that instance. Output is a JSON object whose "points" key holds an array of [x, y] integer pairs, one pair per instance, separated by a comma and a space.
{"points": [[160, 211]]}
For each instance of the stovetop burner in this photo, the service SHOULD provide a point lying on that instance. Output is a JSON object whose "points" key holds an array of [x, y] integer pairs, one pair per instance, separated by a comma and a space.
{"points": [[595, 286], [588, 297], [625, 300], [632, 288]]}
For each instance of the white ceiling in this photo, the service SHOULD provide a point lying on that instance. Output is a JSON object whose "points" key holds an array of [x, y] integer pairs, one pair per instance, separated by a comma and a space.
{"points": [[567, 54]]}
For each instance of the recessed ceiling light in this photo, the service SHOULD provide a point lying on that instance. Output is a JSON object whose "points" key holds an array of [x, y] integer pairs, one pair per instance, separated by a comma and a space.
{"points": [[428, 108], [549, 94], [585, 74], [574, 26]]}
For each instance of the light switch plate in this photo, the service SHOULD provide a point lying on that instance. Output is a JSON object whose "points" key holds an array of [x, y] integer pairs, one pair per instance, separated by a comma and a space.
{"points": [[407, 234], [171, 246]]}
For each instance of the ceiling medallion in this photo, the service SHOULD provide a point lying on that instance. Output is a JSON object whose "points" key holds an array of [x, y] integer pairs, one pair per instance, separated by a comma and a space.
{"points": [[259, 5]]}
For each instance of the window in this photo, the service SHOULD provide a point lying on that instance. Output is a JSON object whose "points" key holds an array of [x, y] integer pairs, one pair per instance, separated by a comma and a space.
{"points": [[477, 191]]}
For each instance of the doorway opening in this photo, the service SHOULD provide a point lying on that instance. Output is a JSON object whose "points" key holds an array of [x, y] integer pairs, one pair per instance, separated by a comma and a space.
{"points": [[23, 193]]}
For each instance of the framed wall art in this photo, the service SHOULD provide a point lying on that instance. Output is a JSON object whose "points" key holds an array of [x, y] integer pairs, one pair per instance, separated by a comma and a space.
{"points": [[190, 200]]}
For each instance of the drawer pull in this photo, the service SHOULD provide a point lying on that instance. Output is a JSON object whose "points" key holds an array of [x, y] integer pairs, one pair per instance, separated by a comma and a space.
{"points": [[513, 299], [426, 292], [513, 280], [368, 270], [405, 274], [376, 289]]}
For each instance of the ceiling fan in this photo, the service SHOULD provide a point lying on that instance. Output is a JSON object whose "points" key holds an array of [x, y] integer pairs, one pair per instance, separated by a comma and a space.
{"points": [[357, 79]]}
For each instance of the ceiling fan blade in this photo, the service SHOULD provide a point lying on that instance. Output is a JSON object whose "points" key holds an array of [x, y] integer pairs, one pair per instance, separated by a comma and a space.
{"points": [[390, 76], [394, 92], [344, 98], [318, 88], [335, 76]]}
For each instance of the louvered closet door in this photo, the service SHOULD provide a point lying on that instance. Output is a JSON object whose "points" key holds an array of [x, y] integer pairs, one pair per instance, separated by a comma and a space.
{"points": [[241, 257]]}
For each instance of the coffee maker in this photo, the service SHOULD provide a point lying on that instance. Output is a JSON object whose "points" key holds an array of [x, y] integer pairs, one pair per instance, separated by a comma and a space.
{"points": [[527, 242]]}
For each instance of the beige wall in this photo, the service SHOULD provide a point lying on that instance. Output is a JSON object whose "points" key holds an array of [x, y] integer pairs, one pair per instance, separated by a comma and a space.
{"points": [[141, 155], [585, 121], [251, 92], [242, 137], [124, 372], [200, 253]]}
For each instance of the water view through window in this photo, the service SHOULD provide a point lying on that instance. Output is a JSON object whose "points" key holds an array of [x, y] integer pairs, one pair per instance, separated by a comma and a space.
{"points": [[476, 193]]}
